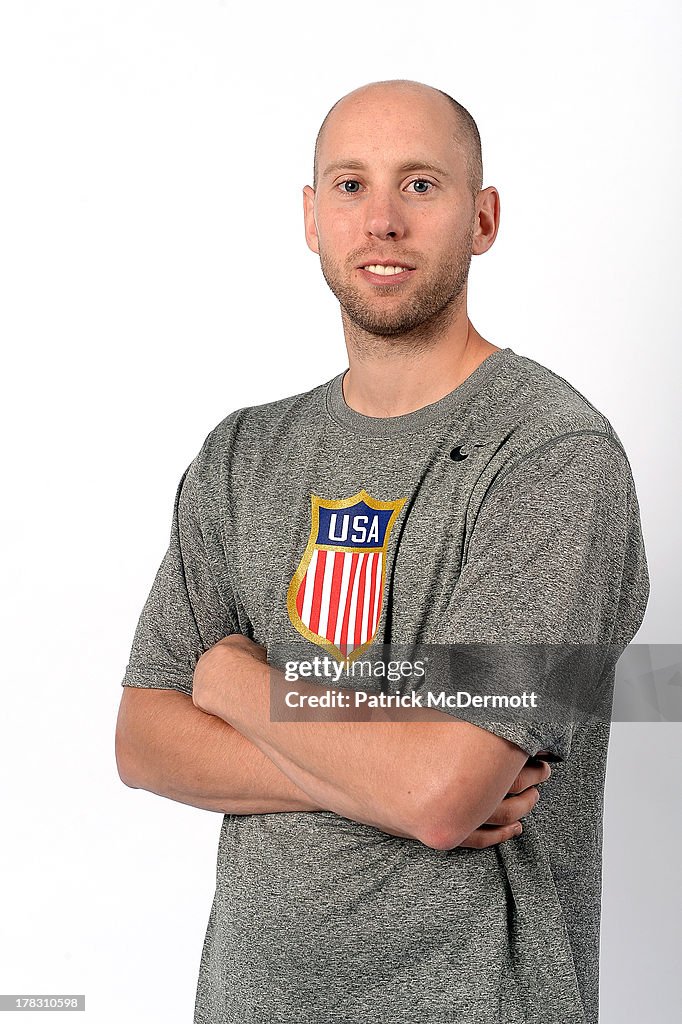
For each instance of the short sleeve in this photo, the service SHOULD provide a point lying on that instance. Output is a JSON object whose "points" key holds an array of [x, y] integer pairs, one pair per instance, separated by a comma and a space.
{"points": [[554, 579], [184, 613]]}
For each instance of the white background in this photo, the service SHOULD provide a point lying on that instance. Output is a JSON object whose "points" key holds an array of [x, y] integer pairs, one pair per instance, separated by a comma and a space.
{"points": [[155, 277]]}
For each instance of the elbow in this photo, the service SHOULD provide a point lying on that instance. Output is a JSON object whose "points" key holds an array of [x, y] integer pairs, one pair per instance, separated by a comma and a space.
{"points": [[439, 835], [124, 761], [125, 773], [437, 823]]}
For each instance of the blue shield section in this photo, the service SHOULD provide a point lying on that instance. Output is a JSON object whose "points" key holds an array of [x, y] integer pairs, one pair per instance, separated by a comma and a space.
{"points": [[358, 526]]}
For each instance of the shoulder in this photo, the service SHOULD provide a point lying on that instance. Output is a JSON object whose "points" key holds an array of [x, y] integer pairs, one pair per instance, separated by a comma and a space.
{"points": [[533, 411], [535, 397], [244, 433], [544, 446]]}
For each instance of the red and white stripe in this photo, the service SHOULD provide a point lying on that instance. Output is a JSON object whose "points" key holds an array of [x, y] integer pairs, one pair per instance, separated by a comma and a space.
{"points": [[339, 598]]}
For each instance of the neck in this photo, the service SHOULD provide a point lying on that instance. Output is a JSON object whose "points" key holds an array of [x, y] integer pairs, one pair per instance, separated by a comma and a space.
{"points": [[391, 375]]}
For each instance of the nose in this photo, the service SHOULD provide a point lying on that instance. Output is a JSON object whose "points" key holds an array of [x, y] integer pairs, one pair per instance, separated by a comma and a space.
{"points": [[383, 218]]}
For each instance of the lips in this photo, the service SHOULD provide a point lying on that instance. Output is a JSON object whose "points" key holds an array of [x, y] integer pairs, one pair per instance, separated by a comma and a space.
{"points": [[385, 263], [385, 272]]}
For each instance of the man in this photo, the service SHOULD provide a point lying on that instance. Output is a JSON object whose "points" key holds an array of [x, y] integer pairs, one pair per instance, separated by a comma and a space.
{"points": [[443, 490]]}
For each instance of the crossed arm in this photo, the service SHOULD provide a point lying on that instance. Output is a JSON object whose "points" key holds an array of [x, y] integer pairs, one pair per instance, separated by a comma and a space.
{"points": [[444, 783]]}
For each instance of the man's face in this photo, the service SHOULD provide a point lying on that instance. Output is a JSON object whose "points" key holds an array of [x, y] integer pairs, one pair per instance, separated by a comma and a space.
{"points": [[392, 189]]}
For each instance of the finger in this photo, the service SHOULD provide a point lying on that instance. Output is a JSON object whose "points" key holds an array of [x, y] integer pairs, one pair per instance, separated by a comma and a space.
{"points": [[514, 807], [482, 838], [532, 774]]}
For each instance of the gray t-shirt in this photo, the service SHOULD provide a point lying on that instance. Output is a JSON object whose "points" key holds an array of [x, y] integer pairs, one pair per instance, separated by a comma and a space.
{"points": [[508, 514]]}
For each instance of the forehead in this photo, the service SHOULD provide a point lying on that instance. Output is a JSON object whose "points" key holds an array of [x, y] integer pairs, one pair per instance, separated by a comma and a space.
{"points": [[389, 127]]}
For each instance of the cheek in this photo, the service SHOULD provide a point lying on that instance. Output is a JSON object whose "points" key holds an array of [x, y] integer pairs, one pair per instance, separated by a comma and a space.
{"points": [[338, 230], [449, 232], [440, 223]]}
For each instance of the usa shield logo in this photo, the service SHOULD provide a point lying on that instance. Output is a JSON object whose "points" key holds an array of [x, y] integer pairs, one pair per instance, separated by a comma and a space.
{"points": [[335, 595]]}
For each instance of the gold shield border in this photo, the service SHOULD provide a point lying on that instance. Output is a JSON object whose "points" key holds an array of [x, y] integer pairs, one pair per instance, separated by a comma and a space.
{"points": [[317, 503]]}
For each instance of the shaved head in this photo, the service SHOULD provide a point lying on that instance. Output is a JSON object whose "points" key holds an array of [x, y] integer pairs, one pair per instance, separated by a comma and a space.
{"points": [[464, 130]]}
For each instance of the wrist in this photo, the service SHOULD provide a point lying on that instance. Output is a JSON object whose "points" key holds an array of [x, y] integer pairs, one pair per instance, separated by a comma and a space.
{"points": [[231, 678], [208, 684]]}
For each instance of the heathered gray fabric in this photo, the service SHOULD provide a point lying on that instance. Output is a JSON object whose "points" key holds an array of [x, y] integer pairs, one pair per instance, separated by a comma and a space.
{"points": [[535, 536]]}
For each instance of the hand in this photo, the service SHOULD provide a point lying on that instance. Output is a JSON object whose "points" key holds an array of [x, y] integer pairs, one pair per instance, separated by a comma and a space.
{"points": [[242, 647], [504, 822], [221, 665]]}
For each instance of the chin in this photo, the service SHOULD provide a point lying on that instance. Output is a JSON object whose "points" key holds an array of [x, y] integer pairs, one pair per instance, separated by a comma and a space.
{"points": [[386, 324]]}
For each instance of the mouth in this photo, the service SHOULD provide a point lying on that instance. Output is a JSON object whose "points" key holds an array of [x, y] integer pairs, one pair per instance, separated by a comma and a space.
{"points": [[386, 273]]}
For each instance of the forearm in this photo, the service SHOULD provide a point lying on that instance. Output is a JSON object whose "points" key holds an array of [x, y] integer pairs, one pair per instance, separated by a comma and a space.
{"points": [[428, 776], [362, 796], [166, 745], [380, 773]]}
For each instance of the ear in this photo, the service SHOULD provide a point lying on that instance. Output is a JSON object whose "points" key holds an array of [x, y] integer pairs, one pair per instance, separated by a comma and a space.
{"points": [[487, 220], [309, 219]]}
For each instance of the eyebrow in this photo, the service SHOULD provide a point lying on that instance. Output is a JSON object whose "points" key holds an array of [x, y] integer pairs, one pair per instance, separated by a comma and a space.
{"points": [[404, 168]]}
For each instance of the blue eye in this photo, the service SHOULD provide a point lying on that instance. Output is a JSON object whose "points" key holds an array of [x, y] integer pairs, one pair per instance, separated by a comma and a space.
{"points": [[421, 181], [351, 187]]}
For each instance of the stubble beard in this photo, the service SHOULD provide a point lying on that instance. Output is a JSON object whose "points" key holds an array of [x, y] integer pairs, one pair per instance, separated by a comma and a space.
{"points": [[423, 316]]}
